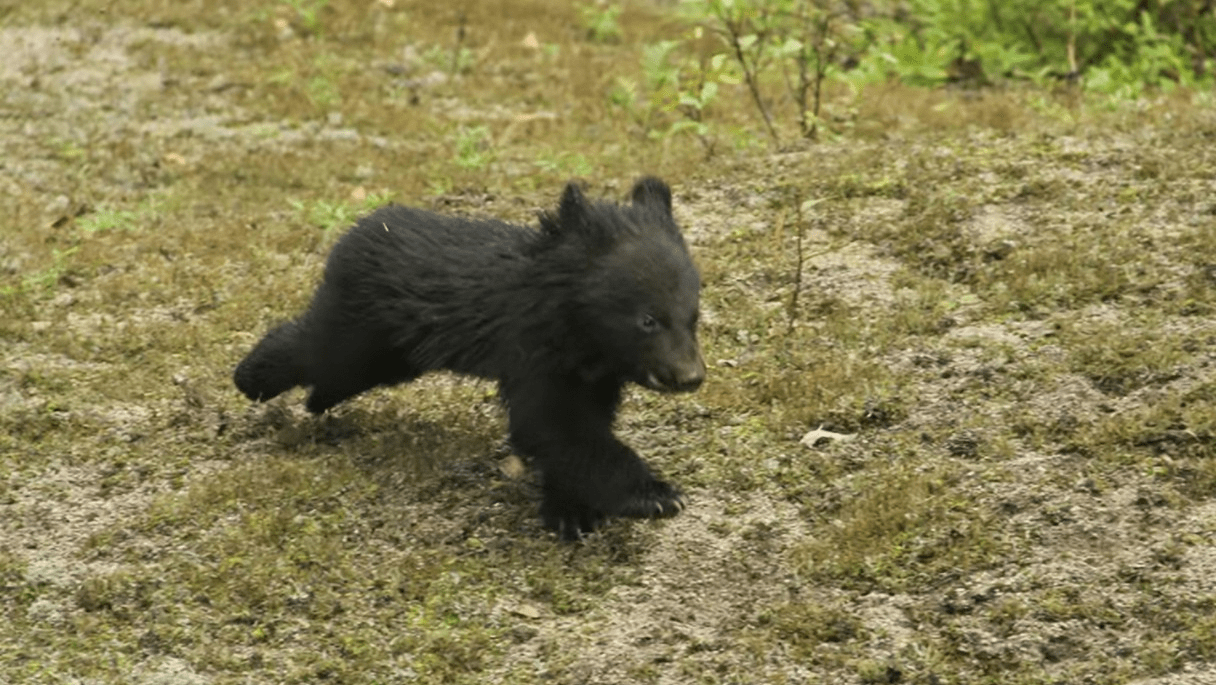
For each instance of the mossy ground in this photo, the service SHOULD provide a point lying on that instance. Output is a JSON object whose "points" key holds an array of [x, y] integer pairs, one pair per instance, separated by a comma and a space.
{"points": [[1006, 297]]}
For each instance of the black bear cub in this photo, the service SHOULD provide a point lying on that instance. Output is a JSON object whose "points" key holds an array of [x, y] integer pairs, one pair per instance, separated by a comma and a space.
{"points": [[560, 317]]}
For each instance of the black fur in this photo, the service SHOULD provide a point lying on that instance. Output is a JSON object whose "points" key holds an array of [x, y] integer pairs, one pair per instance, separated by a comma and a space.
{"points": [[562, 318]]}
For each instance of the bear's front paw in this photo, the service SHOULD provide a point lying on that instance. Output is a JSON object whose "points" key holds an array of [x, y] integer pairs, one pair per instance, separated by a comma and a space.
{"points": [[655, 499], [570, 521]]}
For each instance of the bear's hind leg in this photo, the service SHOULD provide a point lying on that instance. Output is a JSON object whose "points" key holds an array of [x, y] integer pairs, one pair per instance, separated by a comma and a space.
{"points": [[274, 366], [356, 366]]}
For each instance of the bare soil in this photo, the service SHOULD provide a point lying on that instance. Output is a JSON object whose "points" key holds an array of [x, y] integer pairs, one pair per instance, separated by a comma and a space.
{"points": [[1025, 492]]}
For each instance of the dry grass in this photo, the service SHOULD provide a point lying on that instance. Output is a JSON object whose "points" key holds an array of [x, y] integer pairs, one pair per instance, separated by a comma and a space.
{"points": [[1007, 298]]}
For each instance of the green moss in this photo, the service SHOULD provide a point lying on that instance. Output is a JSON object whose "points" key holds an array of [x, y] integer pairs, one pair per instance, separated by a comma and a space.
{"points": [[902, 528], [935, 284]]}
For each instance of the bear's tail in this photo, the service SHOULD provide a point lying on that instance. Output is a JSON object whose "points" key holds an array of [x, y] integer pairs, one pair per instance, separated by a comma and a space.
{"points": [[274, 366]]}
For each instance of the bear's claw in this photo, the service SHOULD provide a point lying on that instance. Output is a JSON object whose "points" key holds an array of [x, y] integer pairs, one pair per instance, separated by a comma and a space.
{"points": [[573, 522], [659, 500]]}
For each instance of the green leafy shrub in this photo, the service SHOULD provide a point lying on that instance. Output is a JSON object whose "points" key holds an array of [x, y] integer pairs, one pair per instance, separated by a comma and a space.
{"points": [[786, 51]]}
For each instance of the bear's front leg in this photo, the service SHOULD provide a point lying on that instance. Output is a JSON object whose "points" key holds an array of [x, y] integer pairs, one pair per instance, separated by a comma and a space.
{"points": [[587, 482], [588, 475]]}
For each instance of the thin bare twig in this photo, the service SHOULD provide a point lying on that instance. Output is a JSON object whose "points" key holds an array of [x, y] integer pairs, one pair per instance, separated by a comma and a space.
{"points": [[733, 32]]}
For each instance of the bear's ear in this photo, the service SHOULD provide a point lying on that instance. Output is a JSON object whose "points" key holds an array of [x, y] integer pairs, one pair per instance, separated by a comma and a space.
{"points": [[653, 192], [572, 211]]}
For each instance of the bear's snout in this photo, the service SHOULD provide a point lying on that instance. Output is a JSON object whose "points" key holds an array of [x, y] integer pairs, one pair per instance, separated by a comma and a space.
{"points": [[689, 378], [684, 377]]}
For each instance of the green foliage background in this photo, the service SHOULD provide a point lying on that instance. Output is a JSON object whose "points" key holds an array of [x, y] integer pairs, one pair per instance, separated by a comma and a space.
{"points": [[791, 48]]}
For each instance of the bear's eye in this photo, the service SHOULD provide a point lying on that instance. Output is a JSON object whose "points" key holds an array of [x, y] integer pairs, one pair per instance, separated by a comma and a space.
{"points": [[648, 324]]}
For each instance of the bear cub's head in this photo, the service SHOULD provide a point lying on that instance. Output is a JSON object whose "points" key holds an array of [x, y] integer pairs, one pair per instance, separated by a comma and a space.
{"points": [[637, 299]]}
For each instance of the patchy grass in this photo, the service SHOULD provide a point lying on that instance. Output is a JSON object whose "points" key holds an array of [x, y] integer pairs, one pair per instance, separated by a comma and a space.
{"points": [[1002, 300]]}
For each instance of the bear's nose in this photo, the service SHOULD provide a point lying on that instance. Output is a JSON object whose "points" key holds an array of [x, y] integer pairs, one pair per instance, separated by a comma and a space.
{"points": [[689, 377], [688, 384]]}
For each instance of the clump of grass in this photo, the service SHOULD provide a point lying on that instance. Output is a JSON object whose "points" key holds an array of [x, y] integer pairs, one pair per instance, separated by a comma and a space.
{"points": [[601, 20], [338, 215], [817, 633], [933, 239], [1174, 438], [307, 13], [1122, 356], [473, 149], [108, 219], [1073, 272], [44, 280], [899, 528]]}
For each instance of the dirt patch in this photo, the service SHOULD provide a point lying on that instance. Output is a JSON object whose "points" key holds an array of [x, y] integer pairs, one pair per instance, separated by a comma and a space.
{"points": [[1015, 328]]}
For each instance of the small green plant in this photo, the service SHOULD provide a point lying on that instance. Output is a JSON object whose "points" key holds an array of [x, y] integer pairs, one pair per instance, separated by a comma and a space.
{"points": [[324, 214], [458, 60], [657, 67], [798, 41], [68, 150], [600, 19], [107, 219], [675, 86], [811, 47], [326, 73], [743, 27], [439, 185], [50, 276], [693, 100], [338, 215], [565, 164], [317, 82], [308, 14], [1160, 61], [322, 91], [473, 148]]}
